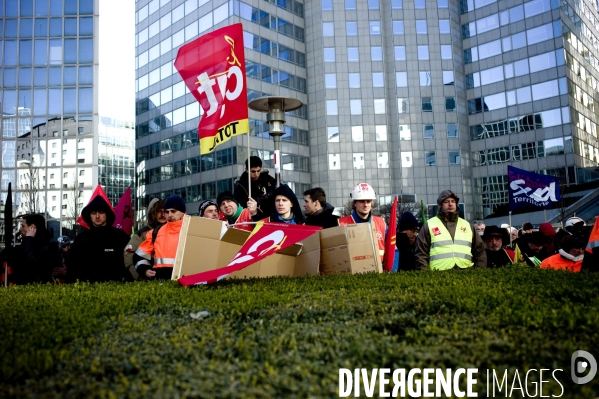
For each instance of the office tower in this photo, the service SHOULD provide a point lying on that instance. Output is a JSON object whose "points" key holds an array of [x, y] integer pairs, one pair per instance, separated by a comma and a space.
{"points": [[60, 137], [411, 96]]}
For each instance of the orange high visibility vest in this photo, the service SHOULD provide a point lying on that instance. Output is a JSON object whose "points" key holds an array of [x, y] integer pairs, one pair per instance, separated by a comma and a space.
{"points": [[594, 238], [164, 249], [379, 225], [558, 262]]}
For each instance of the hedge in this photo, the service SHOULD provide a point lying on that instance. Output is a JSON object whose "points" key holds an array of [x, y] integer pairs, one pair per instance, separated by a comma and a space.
{"points": [[288, 337]]}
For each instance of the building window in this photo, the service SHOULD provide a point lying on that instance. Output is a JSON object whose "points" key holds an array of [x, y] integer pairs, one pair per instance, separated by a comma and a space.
{"points": [[430, 158], [355, 107], [350, 4], [382, 160], [400, 53], [333, 134], [449, 104], [397, 4], [375, 28], [352, 54], [446, 52], [444, 27], [427, 104], [64, 196], [329, 54], [428, 131], [405, 132], [425, 78], [357, 133], [354, 80], [423, 53], [376, 53], [65, 175], [328, 29], [448, 78], [82, 172], [398, 28], [402, 79], [330, 80], [406, 159], [332, 107], [403, 105], [419, 4], [454, 157], [327, 5], [351, 28], [452, 131], [381, 132], [358, 158], [379, 106], [334, 161], [421, 28], [378, 80]]}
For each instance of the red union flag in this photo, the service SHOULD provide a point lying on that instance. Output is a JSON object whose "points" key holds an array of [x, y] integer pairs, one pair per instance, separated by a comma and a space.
{"points": [[213, 68], [265, 240]]}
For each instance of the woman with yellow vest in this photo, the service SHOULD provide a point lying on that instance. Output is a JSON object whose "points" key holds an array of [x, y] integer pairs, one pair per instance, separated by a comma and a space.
{"points": [[363, 196], [448, 241]]}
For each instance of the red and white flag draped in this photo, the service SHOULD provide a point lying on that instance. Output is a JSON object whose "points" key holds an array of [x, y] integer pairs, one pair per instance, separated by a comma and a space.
{"points": [[213, 69], [265, 240]]}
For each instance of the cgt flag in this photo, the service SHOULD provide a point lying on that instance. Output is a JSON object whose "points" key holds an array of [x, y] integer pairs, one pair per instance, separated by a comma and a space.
{"points": [[124, 213], [265, 240], [531, 189], [213, 68]]}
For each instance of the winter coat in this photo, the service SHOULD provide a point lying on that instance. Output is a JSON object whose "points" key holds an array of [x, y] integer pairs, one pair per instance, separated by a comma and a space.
{"points": [[324, 218], [137, 239], [261, 192], [296, 210], [34, 260], [407, 261], [563, 261], [97, 254]]}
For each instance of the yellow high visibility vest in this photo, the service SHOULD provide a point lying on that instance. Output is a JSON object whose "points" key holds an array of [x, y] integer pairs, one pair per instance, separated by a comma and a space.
{"points": [[445, 252]]}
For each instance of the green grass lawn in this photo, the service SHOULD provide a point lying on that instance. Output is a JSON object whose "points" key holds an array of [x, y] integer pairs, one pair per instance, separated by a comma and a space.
{"points": [[288, 337]]}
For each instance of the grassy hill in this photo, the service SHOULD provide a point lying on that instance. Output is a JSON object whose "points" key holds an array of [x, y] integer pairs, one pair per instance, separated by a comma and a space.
{"points": [[288, 337]]}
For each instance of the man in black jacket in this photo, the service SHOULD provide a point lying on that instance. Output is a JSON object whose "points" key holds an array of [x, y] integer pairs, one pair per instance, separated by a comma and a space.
{"points": [[36, 257], [262, 187], [318, 212], [97, 254]]}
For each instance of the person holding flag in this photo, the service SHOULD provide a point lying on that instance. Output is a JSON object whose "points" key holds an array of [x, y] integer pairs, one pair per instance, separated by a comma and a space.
{"points": [[363, 197], [447, 241]]}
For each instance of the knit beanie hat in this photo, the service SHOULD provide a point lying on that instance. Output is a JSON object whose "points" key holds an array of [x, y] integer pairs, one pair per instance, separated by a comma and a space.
{"points": [[547, 229], [527, 226], [407, 222], [175, 202], [206, 204], [225, 195]]}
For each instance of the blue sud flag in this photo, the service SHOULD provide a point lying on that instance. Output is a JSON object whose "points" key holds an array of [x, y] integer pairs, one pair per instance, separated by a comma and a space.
{"points": [[531, 189]]}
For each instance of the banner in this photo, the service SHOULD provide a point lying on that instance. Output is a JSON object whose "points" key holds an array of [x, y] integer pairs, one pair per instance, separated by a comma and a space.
{"points": [[98, 191], [124, 213], [390, 240], [213, 69], [531, 189], [265, 240]]}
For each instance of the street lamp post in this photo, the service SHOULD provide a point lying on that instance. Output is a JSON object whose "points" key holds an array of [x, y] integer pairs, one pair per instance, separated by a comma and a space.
{"points": [[275, 108]]}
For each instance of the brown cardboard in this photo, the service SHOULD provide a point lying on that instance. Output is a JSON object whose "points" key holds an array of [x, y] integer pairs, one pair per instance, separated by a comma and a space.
{"points": [[204, 245], [349, 249]]}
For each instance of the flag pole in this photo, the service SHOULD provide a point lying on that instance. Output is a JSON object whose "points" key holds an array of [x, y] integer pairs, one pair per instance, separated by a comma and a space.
{"points": [[545, 214], [510, 232]]}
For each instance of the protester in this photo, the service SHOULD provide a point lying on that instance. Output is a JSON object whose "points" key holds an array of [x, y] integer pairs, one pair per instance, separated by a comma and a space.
{"points": [[479, 226], [286, 207], [447, 241], [59, 273], [318, 211], [154, 217], [527, 227], [363, 197], [34, 260], [208, 209], [569, 257], [497, 255], [405, 241], [262, 187], [533, 247], [97, 254], [549, 233], [155, 257], [233, 213]]}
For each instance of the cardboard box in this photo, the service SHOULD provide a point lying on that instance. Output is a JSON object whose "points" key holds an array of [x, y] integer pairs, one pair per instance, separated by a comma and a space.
{"points": [[207, 244], [349, 249]]}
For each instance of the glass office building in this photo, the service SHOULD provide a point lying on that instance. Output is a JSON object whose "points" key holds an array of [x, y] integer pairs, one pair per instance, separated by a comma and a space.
{"points": [[56, 147], [411, 96]]}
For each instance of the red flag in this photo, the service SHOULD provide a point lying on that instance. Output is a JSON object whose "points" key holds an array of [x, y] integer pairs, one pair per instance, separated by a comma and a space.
{"points": [[594, 238], [98, 191], [124, 213], [390, 240], [265, 240], [213, 68]]}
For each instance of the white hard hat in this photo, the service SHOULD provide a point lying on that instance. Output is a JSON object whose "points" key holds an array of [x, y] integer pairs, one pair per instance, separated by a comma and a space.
{"points": [[362, 191], [574, 220]]}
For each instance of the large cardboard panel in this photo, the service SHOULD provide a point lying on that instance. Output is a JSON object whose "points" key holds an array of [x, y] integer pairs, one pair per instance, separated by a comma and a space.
{"points": [[204, 246], [349, 249]]}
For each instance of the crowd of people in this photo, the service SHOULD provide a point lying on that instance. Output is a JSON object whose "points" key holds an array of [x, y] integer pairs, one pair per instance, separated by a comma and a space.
{"points": [[446, 241]]}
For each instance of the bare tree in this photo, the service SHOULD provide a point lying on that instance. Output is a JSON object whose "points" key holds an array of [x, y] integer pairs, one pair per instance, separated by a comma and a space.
{"points": [[31, 187], [69, 220]]}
